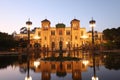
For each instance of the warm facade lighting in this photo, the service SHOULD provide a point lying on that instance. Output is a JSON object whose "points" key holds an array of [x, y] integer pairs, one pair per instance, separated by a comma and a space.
{"points": [[84, 37], [36, 37], [66, 42]]}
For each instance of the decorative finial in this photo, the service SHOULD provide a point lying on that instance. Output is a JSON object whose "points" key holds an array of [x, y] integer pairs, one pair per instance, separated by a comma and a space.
{"points": [[28, 19], [92, 18], [45, 17]]}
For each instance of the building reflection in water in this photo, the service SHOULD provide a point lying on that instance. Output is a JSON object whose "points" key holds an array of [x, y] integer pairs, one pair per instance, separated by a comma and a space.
{"points": [[60, 68], [50, 70], [85, 58]]}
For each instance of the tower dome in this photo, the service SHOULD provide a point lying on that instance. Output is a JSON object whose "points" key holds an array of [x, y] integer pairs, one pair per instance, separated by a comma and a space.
{"points": [[75, 20], [45, 24], [45, 20]]}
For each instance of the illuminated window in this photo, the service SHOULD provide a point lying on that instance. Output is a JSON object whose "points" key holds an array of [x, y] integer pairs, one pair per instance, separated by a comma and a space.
{"points": [[45, 37], [96, 36], [81, 33], [53, 44], [76, 37], [90, 35], [60, 32], [45, 27], [69, 66], [39, 33], [52, 32], [53, 66], [67, 32], [75, 26]]}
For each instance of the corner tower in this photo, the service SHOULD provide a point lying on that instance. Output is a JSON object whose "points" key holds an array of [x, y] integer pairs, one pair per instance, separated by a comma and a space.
{"points": [[75, 24], [45, 33], [45, 24], [75, 33]]}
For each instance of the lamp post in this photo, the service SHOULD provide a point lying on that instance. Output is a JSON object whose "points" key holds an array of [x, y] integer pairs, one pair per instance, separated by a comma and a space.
{"points": [[28, 24], [92, 25]]}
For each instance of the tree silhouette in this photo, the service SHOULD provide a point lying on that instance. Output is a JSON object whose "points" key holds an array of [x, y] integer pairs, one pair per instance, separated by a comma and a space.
{"points": [[6, 41], [112, 37]]}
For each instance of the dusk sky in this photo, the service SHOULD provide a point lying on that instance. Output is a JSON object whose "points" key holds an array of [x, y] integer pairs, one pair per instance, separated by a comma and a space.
{"points": [[14, 13]]}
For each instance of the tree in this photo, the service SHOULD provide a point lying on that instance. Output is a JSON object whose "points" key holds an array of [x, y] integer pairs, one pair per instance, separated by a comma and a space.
{"points": [[22, 43], [6, 41], [112, 37], [23, 30]]}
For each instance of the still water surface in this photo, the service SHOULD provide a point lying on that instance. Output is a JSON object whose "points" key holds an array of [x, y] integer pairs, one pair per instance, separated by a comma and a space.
{"points": [[107, 66]]}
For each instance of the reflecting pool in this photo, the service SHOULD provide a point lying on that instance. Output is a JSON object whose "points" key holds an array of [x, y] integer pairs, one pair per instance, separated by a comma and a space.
{"points": [[76, 65]]}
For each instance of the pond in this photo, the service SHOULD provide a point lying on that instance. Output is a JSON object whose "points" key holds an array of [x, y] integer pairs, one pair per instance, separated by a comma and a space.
{"points": [[76, 65]]}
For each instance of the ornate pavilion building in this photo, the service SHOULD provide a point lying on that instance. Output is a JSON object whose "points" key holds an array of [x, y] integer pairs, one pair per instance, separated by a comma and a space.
{"points": [[69, 38]]}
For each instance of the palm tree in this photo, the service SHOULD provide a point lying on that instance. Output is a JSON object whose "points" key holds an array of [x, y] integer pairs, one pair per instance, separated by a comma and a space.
{"points": [[23, 30]]}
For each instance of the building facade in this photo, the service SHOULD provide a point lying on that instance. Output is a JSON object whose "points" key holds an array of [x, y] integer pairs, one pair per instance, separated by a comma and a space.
{"points": [[69, 37]]}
